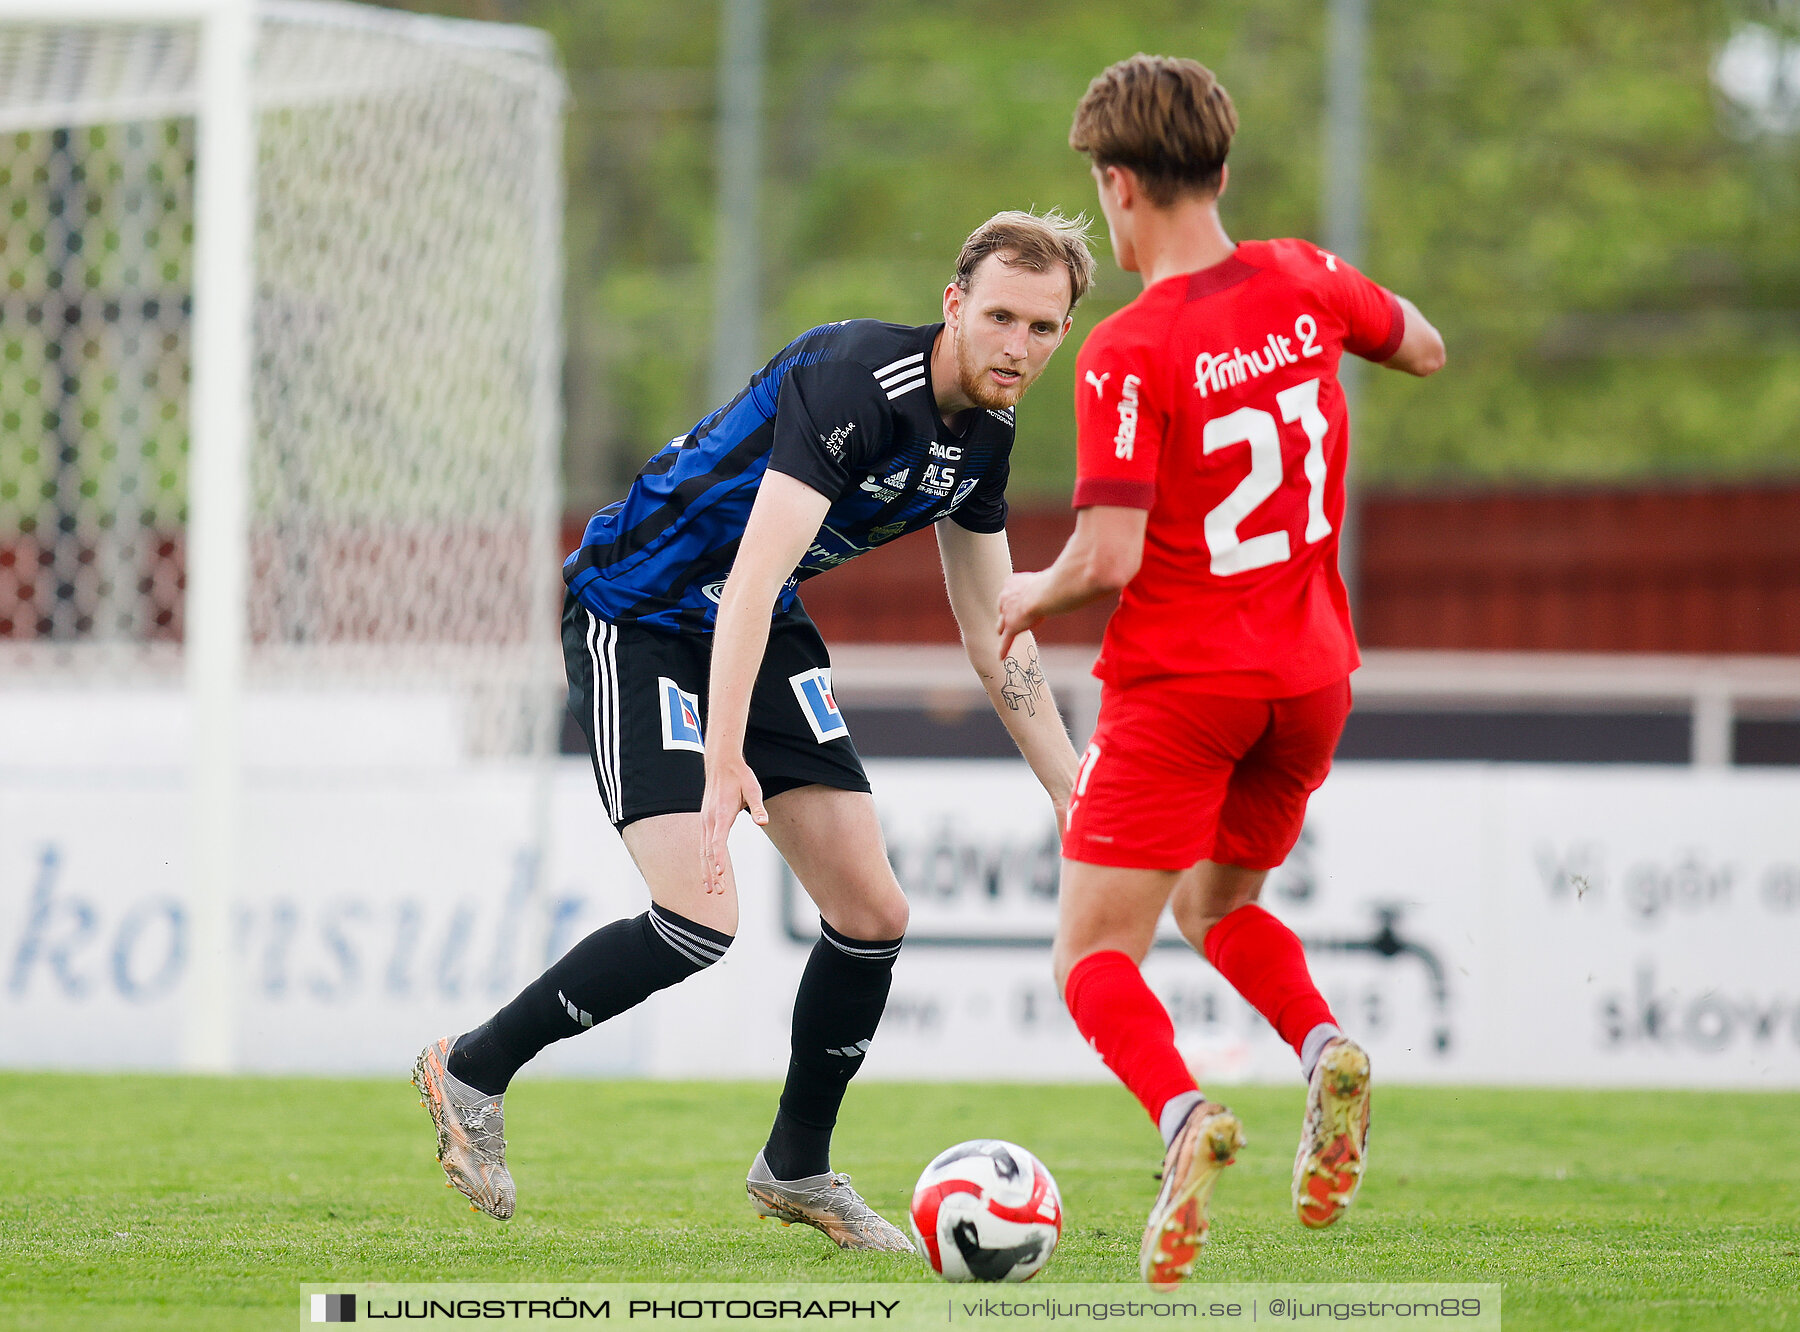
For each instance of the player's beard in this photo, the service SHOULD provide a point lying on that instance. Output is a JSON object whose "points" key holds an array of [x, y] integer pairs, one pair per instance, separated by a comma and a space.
{"points": [[972, 379]]}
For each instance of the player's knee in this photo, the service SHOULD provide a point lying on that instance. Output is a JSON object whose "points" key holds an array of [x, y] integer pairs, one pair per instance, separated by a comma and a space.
{"points": [[1064, 954], [691, 945], [875, 910], [892, 917], [1202, 902], [1193, 917], [871, 920], [716, 911]]}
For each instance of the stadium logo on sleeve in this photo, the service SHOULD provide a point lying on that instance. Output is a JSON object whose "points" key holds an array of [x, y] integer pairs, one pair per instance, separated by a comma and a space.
{"points": [[813, 689], [680, 717], [334, 1308], [1128, 417]]}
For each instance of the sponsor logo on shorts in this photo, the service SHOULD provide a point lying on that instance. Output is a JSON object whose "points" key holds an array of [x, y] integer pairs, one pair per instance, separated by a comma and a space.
{"points": [[813, 689], [680, 717]]}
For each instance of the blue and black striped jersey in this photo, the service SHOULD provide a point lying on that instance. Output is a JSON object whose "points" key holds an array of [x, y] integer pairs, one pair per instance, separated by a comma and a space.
{"points": [[846, 408]]}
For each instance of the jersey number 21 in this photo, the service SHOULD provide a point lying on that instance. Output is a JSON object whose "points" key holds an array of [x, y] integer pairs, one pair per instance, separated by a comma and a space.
{"points": [[1232, 554]]}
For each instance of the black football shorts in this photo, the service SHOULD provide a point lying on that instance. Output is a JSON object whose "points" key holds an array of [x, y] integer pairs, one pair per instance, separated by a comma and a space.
{"points": [[640, 696]]}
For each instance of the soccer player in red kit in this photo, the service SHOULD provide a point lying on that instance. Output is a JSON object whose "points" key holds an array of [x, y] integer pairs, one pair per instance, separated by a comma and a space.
{"points": [[1210, 494]]}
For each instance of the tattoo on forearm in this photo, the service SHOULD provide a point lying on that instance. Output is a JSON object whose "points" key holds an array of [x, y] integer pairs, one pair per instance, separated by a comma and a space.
{"points": [[1024, 683]]}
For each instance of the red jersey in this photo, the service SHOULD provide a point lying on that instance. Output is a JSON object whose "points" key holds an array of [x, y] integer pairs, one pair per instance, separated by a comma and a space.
{"points": [[1212, 400]]}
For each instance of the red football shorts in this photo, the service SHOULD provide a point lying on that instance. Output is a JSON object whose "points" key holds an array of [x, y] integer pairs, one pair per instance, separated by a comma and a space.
{"points": [[1175, 776]]}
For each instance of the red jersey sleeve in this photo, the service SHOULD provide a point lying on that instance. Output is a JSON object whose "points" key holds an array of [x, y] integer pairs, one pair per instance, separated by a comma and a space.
{"points": [[1120, 421], [1374, 323]]}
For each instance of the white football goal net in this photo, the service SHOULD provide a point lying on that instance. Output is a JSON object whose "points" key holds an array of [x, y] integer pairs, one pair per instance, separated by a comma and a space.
{"points": [[279, 379]]}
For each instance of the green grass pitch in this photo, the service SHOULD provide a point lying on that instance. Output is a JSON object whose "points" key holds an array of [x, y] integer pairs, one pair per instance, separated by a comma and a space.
{"points": [[193, 1203]]}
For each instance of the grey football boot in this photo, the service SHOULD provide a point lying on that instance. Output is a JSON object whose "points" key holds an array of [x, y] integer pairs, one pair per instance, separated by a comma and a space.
{"points": [[469, 1128], [825, 1202]]}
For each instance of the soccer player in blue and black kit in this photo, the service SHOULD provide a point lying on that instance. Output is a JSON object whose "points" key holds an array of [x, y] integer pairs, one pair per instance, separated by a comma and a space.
{"points": [[704, 690]]}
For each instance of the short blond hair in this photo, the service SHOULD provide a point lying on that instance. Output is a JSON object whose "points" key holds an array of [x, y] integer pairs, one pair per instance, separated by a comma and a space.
{"points": [[1034, 241], [1166, 119]]}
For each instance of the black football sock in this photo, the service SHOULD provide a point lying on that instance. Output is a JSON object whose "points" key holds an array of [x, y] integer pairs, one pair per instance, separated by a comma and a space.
{"points": [[836, 1011], [611, 970]]}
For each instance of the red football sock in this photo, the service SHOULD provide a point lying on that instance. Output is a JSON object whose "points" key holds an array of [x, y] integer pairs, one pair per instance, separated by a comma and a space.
{"points": [[1263, 960], [1129, 1027]]}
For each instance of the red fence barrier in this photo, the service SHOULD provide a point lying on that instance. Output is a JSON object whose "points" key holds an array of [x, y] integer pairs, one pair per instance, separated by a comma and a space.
{"points": [[1712, 570], [1706, 570]]}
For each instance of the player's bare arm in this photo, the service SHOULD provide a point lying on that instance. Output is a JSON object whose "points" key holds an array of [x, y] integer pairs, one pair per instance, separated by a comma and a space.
{"points": [[782, 524], [1102, 555], [976, 566], [1421, 349]]}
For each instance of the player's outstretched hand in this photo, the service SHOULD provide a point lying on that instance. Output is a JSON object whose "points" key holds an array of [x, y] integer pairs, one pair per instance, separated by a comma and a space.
{"points": [[730, 787], [1018, 608]]}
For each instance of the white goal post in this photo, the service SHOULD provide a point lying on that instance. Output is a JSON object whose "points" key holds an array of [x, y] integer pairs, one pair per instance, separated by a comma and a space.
{"points": [[280, 351]]}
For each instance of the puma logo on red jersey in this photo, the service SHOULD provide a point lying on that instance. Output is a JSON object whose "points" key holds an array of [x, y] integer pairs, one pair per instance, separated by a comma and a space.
{"points": [[1099, 382]]}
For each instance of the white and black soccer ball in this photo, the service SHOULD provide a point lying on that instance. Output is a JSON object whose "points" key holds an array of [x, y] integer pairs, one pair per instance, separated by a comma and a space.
{"points": [[986, 1211]]}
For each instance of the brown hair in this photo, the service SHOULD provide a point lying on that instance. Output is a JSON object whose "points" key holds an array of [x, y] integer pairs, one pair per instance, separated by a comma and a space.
{"points": [[1034, 241], [1167, 120]]}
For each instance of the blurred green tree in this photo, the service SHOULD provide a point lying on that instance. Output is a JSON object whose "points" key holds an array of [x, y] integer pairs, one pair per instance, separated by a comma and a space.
{"points": [[1612, 251]]}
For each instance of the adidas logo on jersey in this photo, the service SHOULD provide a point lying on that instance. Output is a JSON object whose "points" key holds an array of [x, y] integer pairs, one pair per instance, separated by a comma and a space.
{"points": [[902, 376], [888, 488]]}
